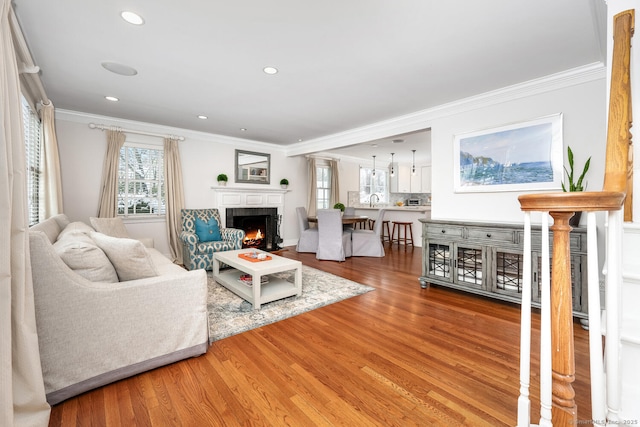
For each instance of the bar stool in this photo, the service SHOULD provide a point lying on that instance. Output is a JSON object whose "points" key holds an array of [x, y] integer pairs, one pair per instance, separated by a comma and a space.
{"points": [[401, 226], [386, 232]]}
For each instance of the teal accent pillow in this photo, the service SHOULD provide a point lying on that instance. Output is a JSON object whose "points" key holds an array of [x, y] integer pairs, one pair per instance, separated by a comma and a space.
{"points": [[208, 231]]}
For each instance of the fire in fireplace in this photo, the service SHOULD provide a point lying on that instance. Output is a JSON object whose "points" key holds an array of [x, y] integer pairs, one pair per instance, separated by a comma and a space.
{"points": [[259, 224]]}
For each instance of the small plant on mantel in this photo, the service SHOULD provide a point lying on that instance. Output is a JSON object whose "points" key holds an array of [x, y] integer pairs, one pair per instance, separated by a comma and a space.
{"points": [[577, 185], [222, 179], [284, 183]]}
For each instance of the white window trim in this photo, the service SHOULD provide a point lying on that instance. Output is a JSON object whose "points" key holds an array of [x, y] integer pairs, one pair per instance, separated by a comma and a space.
{"points": [[144, 217]]}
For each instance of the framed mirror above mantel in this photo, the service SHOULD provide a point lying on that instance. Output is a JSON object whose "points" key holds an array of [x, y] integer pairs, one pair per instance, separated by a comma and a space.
{"points": [[253, 167]]}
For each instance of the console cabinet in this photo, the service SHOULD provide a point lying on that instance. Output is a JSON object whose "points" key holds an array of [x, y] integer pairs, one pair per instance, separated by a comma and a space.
{"points": [[487, 259]]}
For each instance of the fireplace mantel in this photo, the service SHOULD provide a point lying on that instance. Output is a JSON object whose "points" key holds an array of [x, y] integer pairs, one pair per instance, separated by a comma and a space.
{"points": [[249, 197]]}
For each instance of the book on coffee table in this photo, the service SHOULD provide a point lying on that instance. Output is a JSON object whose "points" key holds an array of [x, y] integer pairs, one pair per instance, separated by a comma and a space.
{"points": [[247, 279]]}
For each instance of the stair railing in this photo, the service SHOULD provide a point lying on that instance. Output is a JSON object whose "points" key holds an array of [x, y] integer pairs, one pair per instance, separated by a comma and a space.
{"points": [[557, 358]]}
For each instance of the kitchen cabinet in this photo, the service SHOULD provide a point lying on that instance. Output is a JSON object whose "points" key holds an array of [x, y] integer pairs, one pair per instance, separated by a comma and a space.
{"points": [[487, 259], [425, 179], [404, 181]]}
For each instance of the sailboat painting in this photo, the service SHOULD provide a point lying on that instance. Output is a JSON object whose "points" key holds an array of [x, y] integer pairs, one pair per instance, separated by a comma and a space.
{"points": [[517, 157]]}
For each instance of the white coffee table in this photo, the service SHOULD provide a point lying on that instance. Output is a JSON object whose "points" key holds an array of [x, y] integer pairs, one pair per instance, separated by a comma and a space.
{"points": [[257, 294]]}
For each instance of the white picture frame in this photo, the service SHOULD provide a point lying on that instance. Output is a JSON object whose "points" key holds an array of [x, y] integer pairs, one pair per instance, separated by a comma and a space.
{"points": [[523, 156]]}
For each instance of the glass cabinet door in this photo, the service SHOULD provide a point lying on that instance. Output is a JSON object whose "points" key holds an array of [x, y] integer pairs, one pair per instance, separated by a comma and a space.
{"points": [[507, 273], [438, 260], [469, 265]]}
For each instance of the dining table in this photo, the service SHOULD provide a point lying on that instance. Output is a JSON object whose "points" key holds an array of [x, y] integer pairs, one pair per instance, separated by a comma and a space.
{"points": [[346, 219]]}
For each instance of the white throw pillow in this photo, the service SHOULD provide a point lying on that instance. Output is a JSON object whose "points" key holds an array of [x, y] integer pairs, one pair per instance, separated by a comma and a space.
{"points": [[113, 227], [128, 256], [84, 257], [75, 227]]}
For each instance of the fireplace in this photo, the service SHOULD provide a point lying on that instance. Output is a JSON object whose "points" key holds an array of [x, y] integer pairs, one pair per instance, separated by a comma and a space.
{"points": [[259, 224]]}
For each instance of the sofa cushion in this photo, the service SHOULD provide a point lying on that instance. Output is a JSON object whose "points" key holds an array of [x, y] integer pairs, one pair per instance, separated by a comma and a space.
{"points": [[128, 256], [113, 227], [208, 231], [84, 257], [74, 228]]}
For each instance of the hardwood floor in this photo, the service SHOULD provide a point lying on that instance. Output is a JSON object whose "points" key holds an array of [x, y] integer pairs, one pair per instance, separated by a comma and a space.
{"points": [[397, 356]]}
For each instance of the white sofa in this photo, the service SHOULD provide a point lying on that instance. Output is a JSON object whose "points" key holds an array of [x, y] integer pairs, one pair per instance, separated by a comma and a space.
{"points": [[92, 333]]}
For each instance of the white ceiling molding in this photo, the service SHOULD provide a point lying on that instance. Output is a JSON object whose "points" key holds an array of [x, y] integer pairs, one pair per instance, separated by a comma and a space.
{"points": [[422, 119]]}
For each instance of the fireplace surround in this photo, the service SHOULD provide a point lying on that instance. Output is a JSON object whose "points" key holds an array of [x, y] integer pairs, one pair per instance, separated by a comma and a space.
{"points": [[236, 203]]}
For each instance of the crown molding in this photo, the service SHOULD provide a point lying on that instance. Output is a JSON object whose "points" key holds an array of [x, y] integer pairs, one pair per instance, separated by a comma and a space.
{"points": [[422, 119]]}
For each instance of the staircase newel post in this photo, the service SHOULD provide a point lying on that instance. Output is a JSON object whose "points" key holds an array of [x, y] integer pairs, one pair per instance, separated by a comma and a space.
{"points": [[564, 411]]}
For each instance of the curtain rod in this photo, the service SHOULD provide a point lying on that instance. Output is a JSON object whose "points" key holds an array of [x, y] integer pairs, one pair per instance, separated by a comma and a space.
{"points": [[310, 156], [137, 132], [26, 65]]}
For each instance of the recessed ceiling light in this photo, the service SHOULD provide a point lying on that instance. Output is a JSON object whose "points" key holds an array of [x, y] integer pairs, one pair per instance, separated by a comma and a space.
{"points": [[132, 18], [202, 117], [299, 139], [123, 70], [243, 129], [397, 141], [111, 98], [270, 70]]}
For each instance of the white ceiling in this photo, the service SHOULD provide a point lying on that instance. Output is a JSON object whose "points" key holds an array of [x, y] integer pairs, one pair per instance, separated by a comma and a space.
{"points": [[342, 63]]}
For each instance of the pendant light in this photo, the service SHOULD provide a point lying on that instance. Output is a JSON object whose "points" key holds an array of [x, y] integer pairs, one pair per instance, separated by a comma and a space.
{"points": [[374, 166], [393, 172], [413, 167]]}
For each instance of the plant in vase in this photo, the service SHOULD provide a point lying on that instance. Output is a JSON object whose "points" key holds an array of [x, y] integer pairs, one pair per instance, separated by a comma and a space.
{"points": [[284, 183], [575, 185], [339, 206], [222, 179]]}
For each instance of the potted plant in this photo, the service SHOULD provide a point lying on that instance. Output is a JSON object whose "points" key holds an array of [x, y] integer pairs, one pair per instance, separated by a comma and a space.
{"points": [[575, 185], [284, 183], [339, 206], [222, 179]]}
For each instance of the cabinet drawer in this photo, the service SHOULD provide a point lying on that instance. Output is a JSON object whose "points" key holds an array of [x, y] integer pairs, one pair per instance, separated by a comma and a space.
{"points": [[492, 234], [577, 241], [440, 230]]}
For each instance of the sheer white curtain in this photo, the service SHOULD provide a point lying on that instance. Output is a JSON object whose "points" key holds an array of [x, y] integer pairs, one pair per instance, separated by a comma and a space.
{"points": [[334, 192], [174, 194], [109, 194], [312, 206], [51, 184], [22, 396]]}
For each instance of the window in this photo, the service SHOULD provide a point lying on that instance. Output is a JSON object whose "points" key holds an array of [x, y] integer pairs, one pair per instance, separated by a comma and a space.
{"points": [[323, 186], [374, 184], [141, 180], [33, 145]]}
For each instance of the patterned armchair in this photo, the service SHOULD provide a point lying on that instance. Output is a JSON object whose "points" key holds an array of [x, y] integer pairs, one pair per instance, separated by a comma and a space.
{"points": [[198, 254]]}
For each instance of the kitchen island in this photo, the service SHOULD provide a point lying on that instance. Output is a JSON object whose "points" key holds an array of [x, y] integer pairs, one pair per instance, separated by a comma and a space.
{"points": [[400, 213]]}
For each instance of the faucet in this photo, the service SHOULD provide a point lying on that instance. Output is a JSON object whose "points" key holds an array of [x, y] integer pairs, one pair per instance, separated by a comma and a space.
{"points": [[371, 199]]}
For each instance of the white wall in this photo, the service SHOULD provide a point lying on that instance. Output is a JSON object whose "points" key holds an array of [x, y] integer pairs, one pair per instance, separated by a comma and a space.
{"points": [[203, 157], [584, 127], [583, 106]]}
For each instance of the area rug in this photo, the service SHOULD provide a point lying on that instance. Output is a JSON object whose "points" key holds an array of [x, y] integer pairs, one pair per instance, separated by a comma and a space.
{"points": [[230, 315]]}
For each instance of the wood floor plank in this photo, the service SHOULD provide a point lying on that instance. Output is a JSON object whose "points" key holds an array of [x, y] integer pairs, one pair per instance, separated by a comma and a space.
{"points": [[400, 355]]}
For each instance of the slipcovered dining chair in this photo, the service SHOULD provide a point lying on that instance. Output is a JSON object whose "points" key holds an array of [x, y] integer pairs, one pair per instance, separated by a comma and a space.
{"points": [[334, 244], [350, 211], [368, 242], [308, 241]]}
